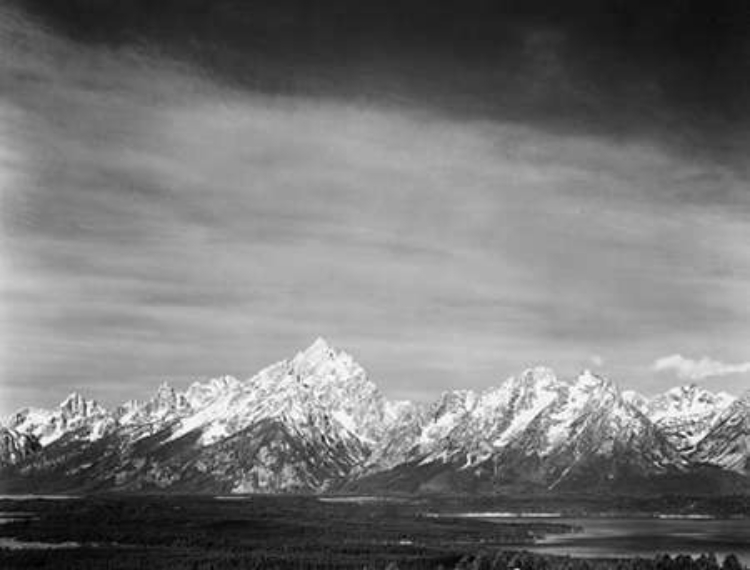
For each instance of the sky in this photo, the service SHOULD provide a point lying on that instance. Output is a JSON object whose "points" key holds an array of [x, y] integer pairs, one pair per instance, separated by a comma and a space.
{"points": [[450, 191]]}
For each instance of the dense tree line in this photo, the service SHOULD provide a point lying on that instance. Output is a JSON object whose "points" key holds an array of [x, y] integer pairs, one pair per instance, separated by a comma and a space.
{"points": [[90, 559]]}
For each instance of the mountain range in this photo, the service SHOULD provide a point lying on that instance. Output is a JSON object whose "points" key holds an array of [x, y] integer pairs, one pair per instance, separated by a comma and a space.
{"points": [[316, 423]]}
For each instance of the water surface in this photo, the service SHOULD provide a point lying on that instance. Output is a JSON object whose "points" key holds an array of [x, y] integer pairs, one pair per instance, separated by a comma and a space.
{"points": [[12, 516], [645, 537], [15, 544]]}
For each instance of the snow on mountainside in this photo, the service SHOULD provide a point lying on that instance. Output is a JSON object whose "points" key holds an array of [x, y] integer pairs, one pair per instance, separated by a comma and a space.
{"points": [[16, 446], [727, 444], [74, 414], [469, 427], [200, 394], [166, 406], [536, 427], [639, 401], [296, 425], [316, 422], [404, 422], [319, 385], [686, 414]]}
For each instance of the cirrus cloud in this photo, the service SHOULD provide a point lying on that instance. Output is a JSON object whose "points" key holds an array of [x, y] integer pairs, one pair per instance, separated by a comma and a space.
{"points": [[692, 369]]}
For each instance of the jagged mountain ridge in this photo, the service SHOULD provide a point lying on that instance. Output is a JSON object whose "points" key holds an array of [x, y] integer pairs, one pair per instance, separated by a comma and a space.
{"points": [[16, 446], [727, 443], [74, 414], [534, 429], [685, 414], [300, 424], [315, 422]]}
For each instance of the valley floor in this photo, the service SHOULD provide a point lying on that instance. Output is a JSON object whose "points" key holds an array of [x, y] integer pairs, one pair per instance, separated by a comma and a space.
{"points": [[163, 532]]}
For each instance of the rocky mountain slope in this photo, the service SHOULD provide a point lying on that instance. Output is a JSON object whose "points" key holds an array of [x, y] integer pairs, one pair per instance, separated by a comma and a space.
{"points": [[534, 429], [686, 414], [75, 414], [16, 446], [315, 422], [727, 443]]}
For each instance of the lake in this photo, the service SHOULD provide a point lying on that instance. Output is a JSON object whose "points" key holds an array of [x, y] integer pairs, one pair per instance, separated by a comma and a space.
{"points": [[645, 537], [14, 544]]}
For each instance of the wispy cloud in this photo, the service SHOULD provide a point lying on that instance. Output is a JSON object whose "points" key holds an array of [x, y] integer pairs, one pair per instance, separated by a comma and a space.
{"points": [[692, 369], [156, 223]]}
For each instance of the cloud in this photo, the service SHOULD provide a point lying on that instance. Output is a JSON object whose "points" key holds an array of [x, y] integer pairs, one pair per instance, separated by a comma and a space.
{"points": [[596, 360], [690, 369], [210, 230]]}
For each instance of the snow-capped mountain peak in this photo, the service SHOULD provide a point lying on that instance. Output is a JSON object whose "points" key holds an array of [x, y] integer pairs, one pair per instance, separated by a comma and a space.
{"points": [[589, 380], [543, 422], [538, 377], [167, 397], [73, 413], [165, 406], [319, 385], [689, 398], [318, 350], [316, 420], [75, 405], [686, 413], [635, 399], [321, 362], [200, 394], [727, 443]]}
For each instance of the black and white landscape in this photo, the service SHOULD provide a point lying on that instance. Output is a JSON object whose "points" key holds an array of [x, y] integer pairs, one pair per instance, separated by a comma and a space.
{"points": [[382, 284]]}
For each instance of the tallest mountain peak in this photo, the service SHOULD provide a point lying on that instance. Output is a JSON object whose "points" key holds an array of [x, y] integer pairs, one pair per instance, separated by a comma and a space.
{"points": [[319, 345], [318, 350], [322, 363]]}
